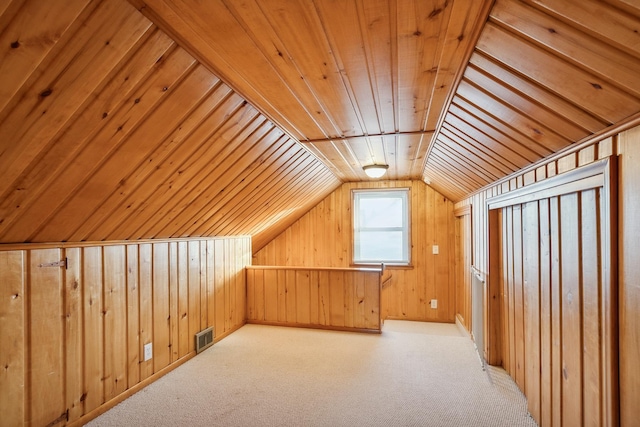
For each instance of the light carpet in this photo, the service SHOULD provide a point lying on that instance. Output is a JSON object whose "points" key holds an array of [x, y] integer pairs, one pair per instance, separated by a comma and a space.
{"points": [[413, 374]]}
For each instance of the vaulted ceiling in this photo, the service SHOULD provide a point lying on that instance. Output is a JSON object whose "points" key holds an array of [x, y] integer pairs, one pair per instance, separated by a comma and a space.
{"points": [[170, 118]]}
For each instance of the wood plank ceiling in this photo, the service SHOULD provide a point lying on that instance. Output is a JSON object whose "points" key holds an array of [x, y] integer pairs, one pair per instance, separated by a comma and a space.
{"points": [[217, 117], [109, 130], [456, 92]]}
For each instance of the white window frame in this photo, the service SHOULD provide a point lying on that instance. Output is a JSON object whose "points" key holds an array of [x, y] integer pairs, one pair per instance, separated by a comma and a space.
{"points": [[404, 195]]}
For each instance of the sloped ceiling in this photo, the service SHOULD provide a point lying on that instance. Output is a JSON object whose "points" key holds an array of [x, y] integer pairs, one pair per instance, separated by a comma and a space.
{"points": [[218, 117], [110, 130], [459, 93]]}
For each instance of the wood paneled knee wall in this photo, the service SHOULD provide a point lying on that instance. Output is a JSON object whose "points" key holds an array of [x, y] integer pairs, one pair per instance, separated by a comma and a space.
{"points": [[74, 319]]}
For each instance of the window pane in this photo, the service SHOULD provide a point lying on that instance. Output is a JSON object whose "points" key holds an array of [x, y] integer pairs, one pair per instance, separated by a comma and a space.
{"points": [[381, 246], [380, 212], [381, 226]]}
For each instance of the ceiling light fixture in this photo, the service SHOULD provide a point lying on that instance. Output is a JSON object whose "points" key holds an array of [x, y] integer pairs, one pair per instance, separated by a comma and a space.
{"points": [[375, 171]]}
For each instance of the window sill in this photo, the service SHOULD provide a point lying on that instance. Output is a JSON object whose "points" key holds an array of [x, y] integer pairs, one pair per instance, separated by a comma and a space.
{"points": [[386, 266]]}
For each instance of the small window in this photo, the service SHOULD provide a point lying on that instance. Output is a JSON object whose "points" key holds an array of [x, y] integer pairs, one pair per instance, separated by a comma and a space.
{"points": [[381, 226]]}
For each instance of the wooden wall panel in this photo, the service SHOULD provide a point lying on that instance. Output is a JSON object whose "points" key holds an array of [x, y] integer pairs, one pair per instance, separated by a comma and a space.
{"points": [[93, 343], [115, 321], [74, 334], [323, 238], [629, 253], [555, 265], [45, 338], [555, 343], [333, 298], [73, 337], [463, 270], [12, 336]]}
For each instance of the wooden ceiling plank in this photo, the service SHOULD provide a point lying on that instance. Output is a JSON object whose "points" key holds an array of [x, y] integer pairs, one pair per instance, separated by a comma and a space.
{"points": [[506, 114], [305, 181], [345, 151], [379, 150], [191, 135], [445, 178], [299, 26], [347, 36], [464, 20], [408, 154], [216, 144], [452, 190], [597, 57], [212, 194], [447, 181], [418, 161], [165, 186], [526, 106], [262, 236], [264, 34], [30, 44], [221, 187], [46, 169], [584, 89], [278, 220], [459, 165], [322, 152], [129, 154], [97, 149], [361, 149], [250, 197], [336, 160], [457, 170], [476, 150], [594, 17], [213, 36], [470, 159], [629, 6], [495, 128], [485, 143], [308, 193], [274, 198], [230, 103], [530, 89], [378, 26], [418, 41], [8, 10], [64, 89]]}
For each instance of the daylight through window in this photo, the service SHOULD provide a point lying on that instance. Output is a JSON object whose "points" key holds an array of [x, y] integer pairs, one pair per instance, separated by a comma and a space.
{"points": [[381, 226]]}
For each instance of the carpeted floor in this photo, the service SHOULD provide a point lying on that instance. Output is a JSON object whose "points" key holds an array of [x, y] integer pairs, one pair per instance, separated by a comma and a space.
{"points": [[413, 374]]}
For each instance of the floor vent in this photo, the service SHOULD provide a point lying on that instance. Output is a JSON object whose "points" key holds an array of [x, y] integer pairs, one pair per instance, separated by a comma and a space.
{"points": [[204, 339]]}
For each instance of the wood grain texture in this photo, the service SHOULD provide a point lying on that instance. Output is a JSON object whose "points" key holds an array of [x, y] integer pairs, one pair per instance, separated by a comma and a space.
{"points": [[13, 334], [343, 299], [125, 135], [557, 285], [361, 81], [76, 333], [543, 74], [629, 209], [323, 238]]}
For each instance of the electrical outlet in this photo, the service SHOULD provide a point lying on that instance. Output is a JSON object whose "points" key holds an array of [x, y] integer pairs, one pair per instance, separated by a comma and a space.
{"points": [[436, 249], [434, 303], [148, 351]]}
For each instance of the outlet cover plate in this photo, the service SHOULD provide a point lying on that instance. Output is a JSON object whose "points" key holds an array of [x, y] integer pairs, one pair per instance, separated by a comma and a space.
{"points": [[436, 249], [434, 303], [148, 351]]}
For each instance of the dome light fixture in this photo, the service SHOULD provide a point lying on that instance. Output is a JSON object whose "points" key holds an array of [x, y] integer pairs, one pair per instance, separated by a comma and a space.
{"points": [[375, 171]]}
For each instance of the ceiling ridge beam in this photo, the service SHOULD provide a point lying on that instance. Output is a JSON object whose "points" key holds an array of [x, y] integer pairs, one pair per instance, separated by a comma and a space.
{"points": [[378, 135]]}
